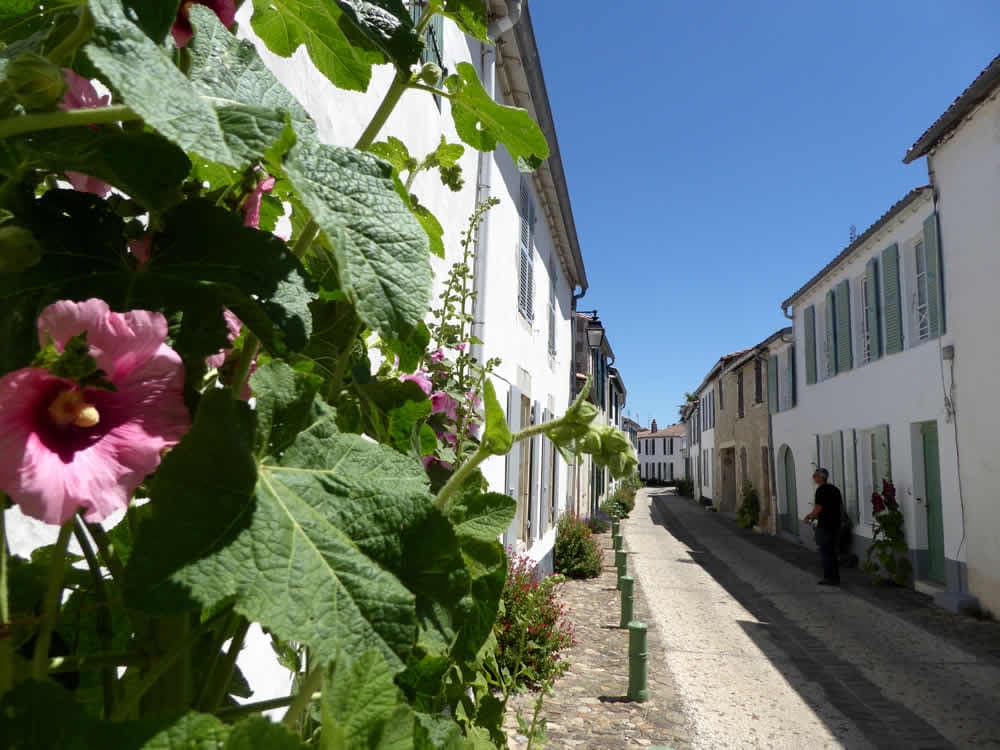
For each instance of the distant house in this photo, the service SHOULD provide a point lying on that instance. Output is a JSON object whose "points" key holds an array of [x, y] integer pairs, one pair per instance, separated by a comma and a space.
{"points": [[747, 384], [868, 396], [632, 428], [661, 453], [963, 161]]}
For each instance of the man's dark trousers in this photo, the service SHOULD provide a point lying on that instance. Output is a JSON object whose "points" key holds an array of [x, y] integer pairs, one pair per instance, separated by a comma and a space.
{"points": [[827, 541]]}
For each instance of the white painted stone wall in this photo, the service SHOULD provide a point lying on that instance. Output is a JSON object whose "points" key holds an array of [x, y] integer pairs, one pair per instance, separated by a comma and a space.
{"points": [[653, 456], [899, 390], [966, 173]]}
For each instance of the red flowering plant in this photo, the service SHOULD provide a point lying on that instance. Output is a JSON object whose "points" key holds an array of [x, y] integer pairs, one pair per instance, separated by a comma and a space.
{"points": [[187, 396], [888, 555], [532, 630]]}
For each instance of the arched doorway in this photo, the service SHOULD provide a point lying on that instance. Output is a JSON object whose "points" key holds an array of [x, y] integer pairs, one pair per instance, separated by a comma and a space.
{"points": [[786, 483]]}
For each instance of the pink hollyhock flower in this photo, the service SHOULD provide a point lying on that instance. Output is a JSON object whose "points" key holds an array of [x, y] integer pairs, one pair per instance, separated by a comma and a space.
{"points": [[436, 357], [217, 360], [421, 379], [461, 347], [442, 403], [64, 447], [251, 206], [81, 94], [878, 504], [182, 30], [141, 248]]}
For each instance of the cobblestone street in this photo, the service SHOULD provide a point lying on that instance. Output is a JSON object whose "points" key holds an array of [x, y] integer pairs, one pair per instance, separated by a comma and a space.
{"points": [[588, 708]]}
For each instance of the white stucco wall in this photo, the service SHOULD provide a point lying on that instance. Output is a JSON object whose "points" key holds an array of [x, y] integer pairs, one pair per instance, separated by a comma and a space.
{"points": [[899, 390], [648, 462], [966, 173]]}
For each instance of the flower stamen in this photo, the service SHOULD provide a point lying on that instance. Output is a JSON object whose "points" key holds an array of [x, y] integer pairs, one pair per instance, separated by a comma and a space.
{"points": [[70, 408]]}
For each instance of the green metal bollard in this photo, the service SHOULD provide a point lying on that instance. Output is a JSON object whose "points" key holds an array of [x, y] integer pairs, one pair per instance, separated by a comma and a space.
{"points": [[637, 662], [616, 528], [621, 562], [616, 542], [627, 586]]}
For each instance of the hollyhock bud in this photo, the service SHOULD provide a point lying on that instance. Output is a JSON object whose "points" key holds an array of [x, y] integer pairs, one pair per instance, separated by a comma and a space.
{"points": [[67, 446], [35, 82], [251, 206], [436, 357], [182, 29], [19, 250]]}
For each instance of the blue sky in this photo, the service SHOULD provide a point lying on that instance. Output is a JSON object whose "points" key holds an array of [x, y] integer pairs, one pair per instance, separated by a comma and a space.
{"points": [[717, 154]]}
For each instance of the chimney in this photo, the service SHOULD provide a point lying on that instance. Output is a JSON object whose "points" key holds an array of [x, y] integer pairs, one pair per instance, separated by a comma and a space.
{"points": [[653, 426]]}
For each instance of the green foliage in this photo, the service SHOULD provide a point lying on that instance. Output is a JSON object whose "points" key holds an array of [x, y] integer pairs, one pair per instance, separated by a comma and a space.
{"points": [[685, 487], [597, 525], [307, 511], [748, 514], [576, 552], [888, 555], [532, 631]]}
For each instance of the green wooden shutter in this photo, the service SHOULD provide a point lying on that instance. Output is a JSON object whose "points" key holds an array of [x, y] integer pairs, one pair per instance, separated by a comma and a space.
{"points": [[772, 384], [883, 462], [893, 308], [837, 469], [935, 289], [830, 341], [845, 353], [850, 474], [809, 318], [792, 386], [874, 309]]}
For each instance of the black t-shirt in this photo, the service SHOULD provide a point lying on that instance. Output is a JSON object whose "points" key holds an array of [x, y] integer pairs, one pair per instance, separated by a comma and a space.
{"points": [[828, 498]]}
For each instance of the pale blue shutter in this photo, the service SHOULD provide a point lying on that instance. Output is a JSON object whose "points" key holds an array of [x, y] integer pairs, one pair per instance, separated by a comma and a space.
{"points": [[838, 459], [790, 375], [935, 289], [830, 340], [513, 473], [809, 322], [772, 384], [873, 300], [526, 270], [535, 467], [893, 309], [545, 503], [845, 358], [851, 474], [883, 462]]}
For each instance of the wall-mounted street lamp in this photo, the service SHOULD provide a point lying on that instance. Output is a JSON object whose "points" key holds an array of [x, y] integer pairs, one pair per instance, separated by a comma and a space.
{"points": [[595, 330]]}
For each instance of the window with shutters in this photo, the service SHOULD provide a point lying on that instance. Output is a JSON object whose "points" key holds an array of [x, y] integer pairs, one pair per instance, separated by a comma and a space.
{"points": [[526, 255], [758, 381], [433, 51], [739, 395], [830, 339], [721, 399], [923, 322], [809, 335]]}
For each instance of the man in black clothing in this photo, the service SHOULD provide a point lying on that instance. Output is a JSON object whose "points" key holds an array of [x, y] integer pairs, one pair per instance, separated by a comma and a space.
{"points": [[827, 510]]}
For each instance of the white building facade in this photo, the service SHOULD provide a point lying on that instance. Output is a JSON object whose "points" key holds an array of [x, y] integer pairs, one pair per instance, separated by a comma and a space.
{"points": [[662, 452], [963, 161], [866, 396]]}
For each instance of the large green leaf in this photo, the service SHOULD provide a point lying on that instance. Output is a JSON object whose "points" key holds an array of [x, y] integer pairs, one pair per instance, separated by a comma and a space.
{"points": [[203, 259], [483, 123], [387, 25], [335, 45], [363, 708], [147, 80], [308, 550], [380, 249], [251, 103], [109, 154], [470, 15], [496, 435], [155, 18]]}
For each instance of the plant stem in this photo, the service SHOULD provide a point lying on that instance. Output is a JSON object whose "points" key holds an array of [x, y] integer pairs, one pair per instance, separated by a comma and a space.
{"points": [[303, 698], [431, 89], [102, 660], [102, 616], [6, 645], [222, 673], [232, 712], [107, 550], [251, 345], [396, 90], [309, 233], [163, 664], [63, 52], [50, 605], [70, 119]]}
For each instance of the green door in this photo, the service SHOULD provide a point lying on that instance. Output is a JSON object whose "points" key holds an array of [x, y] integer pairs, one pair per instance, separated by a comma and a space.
{"points": [[935, 516], [792, 518]]}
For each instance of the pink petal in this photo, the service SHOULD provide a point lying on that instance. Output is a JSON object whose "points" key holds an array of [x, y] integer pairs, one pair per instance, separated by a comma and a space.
{"points": [[251, 206], [80, 93], [87, 184], [235, 326], [182, 31], [118, 341], [421, 379], [142, 249]]}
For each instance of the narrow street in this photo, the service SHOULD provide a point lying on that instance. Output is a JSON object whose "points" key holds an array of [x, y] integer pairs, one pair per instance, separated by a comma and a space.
{"points": [[763, 657]]}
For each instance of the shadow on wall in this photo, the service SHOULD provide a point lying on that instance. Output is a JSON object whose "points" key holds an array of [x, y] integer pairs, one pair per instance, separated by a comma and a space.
{"points": [[806, 662]]}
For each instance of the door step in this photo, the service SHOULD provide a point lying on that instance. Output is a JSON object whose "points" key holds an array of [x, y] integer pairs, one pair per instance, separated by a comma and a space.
{"points": [[929, 588]]}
